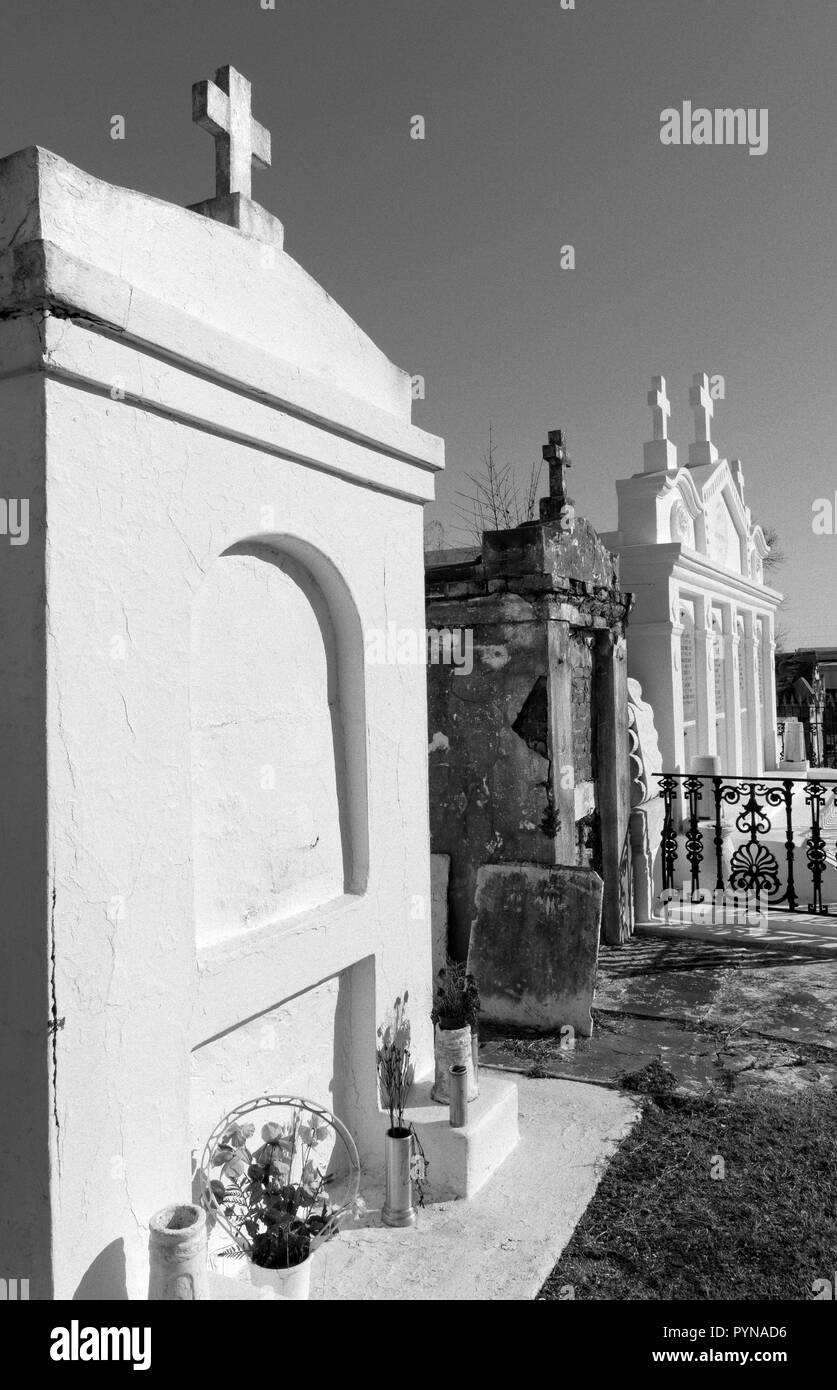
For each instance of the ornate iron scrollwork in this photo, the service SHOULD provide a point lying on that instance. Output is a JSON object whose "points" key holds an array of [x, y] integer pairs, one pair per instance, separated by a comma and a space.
{"points": [[668, 842], [754, 867], [692, 787], [815, 850]]}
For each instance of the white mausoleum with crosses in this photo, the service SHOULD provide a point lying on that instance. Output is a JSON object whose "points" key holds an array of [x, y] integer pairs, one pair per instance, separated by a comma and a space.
{"points": [[701, 637]]}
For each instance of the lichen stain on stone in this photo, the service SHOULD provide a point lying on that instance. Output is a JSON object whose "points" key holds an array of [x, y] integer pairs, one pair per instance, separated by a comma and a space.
{"points": [[496, 656]]}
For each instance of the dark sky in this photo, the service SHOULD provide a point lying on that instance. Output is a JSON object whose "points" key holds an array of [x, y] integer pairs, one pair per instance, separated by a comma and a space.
{"points": [[542, 129]]}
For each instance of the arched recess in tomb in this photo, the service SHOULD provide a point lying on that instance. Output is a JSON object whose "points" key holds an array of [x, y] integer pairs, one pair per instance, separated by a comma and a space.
{"points": [[278, 742]]}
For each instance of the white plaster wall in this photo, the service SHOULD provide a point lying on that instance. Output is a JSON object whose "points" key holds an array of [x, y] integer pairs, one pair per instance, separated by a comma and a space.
{"points": [[656, 574], [129, 548], [725, 542], [184, 394], [264, 1056], [267, 760]]}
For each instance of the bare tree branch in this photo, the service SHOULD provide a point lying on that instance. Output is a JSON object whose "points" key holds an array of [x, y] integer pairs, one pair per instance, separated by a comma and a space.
{"points": [[777, 556], [494, 501]]}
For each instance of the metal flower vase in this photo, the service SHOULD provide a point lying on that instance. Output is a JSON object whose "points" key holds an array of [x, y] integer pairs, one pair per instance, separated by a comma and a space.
{"points": [[458, 1096], [398, 1207]]}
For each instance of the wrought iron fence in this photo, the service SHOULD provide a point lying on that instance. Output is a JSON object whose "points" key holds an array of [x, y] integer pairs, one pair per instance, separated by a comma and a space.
{"points": [[734, 855], [829, 735]]}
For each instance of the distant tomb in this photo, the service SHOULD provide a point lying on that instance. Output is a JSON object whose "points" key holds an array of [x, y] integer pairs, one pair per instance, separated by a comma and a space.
{"points": [[702, 634]]}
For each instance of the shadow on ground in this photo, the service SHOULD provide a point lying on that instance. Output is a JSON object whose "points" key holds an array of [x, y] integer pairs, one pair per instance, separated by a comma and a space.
{"points": [[738, 1016]]}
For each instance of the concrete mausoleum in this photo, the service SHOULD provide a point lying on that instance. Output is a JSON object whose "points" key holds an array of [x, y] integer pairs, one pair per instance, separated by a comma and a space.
{"points": [[214, 846], [702, 633]]}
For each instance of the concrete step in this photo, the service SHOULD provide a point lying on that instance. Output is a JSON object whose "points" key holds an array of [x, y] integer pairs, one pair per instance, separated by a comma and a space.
{"points": [[462, 1160], [500, 1244]]}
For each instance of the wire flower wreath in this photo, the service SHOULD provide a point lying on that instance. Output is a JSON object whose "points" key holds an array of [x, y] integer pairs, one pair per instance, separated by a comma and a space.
{"points": [[278, 1202]]}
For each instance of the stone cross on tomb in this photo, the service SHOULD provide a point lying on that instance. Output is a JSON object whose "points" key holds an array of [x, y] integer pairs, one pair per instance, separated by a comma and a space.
{"points": [[555, 453], [223, 107], [703, 450], [660, 406], [659, 453]]}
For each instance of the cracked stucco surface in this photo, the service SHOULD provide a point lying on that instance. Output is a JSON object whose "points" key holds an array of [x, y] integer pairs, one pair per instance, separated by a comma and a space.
{"points": [[148, 470]]}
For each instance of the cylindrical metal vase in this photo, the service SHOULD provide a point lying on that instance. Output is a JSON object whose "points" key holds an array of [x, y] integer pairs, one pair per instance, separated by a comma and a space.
{"points": [[398, 1207], [177, 1255], [475, 1056], [458, 1096], [453, 1048]]}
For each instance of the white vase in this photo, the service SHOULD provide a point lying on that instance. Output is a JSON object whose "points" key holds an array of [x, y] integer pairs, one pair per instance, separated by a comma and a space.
{"points": [[453, 1048], [177, 1255], [293, 1284]]}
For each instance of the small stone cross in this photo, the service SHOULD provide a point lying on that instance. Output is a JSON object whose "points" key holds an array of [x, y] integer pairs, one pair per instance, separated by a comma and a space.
{"points": [[556, 455], [223, 108], [660, 406], [703, 407], [703, 450]]}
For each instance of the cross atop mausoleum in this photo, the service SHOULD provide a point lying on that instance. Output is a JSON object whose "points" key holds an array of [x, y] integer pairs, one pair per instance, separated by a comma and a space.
{"points": [[703, 450], [224, 108], [659, 453], [660, 406], [556, 454]]}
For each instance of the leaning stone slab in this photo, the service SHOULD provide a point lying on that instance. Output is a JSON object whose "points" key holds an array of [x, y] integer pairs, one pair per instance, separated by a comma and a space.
{"points": [[439, 879], [535, 944]]}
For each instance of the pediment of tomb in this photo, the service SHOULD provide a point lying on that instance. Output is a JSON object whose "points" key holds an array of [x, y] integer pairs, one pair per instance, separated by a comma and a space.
{"points": [[700, 507], [195, 290]]}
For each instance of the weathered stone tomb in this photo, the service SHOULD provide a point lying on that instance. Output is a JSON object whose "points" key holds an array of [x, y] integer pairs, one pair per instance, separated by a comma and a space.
{"points": [[528, 748]]}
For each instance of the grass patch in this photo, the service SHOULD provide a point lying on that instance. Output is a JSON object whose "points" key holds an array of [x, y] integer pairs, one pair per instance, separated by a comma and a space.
{"points": [[660, 1227], [653, 1079]]}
